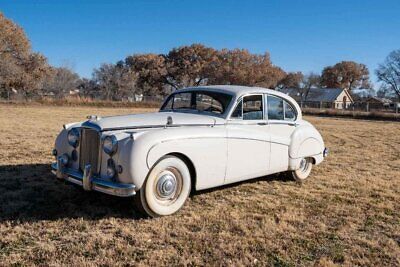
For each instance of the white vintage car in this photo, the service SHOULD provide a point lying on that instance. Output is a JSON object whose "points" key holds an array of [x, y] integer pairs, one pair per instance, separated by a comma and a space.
{"points": [[202, 137]]}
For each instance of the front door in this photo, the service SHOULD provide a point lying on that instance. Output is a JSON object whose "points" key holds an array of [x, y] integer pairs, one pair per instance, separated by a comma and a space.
{"points": [[248, 140]]}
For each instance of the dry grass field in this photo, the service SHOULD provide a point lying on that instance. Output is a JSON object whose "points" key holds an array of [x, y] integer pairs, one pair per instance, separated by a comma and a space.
{"points": [[347, 213]]}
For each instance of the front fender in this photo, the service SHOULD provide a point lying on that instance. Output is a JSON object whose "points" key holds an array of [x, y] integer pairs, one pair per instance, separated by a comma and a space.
{"points": [[138, 154], [204, 147]]}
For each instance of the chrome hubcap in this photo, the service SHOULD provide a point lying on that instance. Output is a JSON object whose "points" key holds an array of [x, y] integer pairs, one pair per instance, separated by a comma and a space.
{"points": [[166, 185], [303, 165]]}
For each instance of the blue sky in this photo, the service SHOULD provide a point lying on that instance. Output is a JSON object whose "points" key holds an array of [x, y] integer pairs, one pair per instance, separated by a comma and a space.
{"points": [[300, 35]]}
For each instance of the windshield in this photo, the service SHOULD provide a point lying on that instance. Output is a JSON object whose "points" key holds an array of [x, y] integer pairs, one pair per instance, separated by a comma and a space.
{"points": [[199, 101]]}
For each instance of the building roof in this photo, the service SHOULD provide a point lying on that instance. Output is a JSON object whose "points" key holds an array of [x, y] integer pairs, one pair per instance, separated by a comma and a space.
{"points": [[377, 99], [315, 94]]}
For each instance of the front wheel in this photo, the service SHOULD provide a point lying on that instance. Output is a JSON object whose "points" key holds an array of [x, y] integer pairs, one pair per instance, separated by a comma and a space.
{"points": [[303, 171], [166, 188]]}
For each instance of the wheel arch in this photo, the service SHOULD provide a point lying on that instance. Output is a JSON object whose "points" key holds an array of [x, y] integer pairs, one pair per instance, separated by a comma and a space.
{"points": [[189, 164]]}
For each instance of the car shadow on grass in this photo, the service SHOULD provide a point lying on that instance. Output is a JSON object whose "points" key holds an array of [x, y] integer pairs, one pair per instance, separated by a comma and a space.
{"points": [[280, 177], [30, 192]]}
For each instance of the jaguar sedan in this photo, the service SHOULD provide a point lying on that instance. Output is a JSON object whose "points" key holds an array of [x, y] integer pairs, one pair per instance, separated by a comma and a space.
{"points": [[202, 137]]}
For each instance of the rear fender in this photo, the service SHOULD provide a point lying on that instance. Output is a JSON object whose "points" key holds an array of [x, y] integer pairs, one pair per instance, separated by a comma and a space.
{"points": [[306, 142]]}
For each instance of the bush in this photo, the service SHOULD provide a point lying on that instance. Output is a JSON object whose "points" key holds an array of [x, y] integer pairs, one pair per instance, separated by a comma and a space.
{"points": [[373, 115]]}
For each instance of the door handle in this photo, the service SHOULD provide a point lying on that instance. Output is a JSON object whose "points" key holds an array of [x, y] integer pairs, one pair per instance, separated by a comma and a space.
{"points": [[262, 123]]}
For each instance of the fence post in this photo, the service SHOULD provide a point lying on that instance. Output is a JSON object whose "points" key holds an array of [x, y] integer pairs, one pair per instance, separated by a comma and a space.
{"points": [[320, 105], [367, 106]]}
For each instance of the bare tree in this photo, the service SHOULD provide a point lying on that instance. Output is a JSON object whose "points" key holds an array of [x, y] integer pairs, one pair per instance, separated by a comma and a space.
{"points": [[311, 80], [115, 80], [389, 72], [61, 81]]}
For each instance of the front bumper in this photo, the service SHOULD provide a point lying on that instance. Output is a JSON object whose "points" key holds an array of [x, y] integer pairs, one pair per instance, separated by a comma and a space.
{"points": [[326, 152], [90, 182]]}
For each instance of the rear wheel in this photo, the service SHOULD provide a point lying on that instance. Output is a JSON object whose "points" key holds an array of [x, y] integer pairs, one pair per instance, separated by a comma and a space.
{"points": [[303, 171], [166, 188]]}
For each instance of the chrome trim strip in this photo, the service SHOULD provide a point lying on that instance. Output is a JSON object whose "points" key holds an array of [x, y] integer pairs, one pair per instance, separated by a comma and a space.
{"points": [[283, 122], [158, 126], [96, 184]]}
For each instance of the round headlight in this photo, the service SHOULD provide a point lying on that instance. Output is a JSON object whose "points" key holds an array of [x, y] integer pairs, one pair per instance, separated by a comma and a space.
{"points": [[110, 144], [73, 137]]}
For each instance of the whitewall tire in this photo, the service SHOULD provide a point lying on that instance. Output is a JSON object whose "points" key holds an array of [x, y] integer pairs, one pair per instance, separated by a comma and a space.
{"points": [[166, 187], [303, 171]]}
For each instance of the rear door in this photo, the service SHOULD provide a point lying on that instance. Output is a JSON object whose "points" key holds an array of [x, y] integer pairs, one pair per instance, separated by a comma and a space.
{"points": [[281, 120]]}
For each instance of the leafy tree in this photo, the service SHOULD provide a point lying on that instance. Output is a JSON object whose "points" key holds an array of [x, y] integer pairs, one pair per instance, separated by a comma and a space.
{"points": [[389, 73], [291, 80], [190, 65], [20, 68], [240, 67], [150, 71], [346, 75]]}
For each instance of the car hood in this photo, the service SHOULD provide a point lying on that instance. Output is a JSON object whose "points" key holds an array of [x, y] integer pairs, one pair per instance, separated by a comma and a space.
{"points": [[150, 120]]}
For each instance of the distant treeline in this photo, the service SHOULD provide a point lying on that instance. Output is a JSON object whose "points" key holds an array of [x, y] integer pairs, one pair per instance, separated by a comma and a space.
{"points": [[27, 74]]}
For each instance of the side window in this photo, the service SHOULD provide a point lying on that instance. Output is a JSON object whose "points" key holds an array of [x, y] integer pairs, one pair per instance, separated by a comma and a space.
{"points": [[253, 107], [237, 113], [275, 108], [290, 114]]}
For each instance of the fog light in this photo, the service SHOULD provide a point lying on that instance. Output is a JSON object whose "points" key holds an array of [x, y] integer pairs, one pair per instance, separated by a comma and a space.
{"points": [[110, 169], [119, 169], [64, 159]]}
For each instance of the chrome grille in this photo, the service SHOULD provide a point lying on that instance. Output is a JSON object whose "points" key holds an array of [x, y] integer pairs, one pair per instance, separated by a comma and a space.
{"points": [[89, 153]]}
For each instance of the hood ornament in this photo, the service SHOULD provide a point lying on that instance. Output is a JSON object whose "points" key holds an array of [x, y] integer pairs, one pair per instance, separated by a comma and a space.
{"points": [[93, 117]]}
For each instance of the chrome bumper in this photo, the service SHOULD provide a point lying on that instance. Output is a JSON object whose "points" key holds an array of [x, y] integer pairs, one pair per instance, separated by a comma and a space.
{"points": [[89, 182]]}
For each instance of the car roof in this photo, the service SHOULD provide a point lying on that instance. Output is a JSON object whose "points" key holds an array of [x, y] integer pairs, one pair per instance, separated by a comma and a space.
{"points": [[237, 90]]}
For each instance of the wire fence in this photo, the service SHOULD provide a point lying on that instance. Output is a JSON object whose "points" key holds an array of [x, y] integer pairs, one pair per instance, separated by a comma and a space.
{"points": [[353, 106]]}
